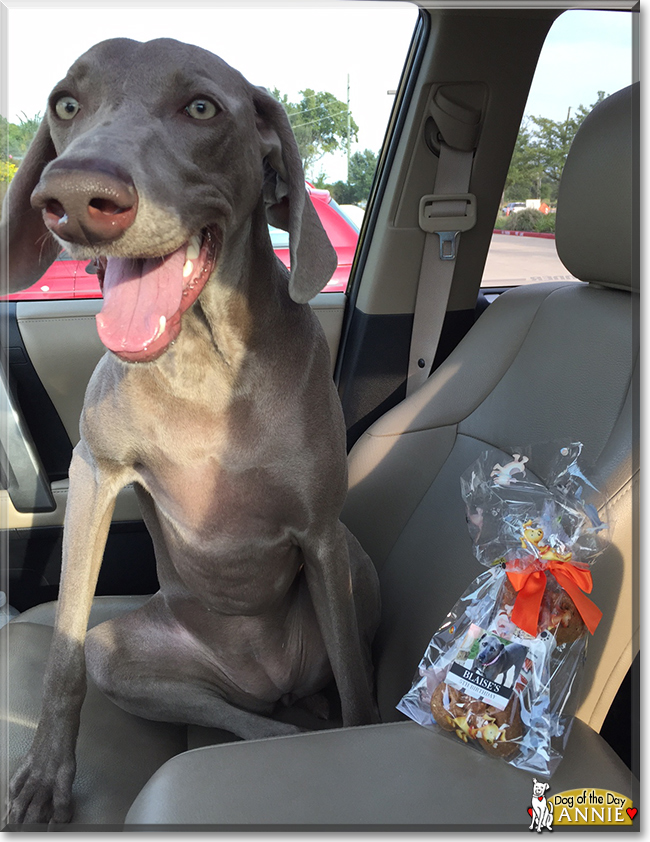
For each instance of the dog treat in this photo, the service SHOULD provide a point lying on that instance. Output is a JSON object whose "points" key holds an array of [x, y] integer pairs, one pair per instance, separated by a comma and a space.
{"points": [[500, 673], [447, 704], [499, 731], [496, 731]]}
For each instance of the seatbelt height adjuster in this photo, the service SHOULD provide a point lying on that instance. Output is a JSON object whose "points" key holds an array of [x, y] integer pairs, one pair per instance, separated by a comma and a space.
{"points": [[447, 227]]}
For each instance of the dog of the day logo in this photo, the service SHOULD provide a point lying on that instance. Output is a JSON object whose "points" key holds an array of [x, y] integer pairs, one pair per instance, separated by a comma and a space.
{"points": [[541, 809], [588, 806]]}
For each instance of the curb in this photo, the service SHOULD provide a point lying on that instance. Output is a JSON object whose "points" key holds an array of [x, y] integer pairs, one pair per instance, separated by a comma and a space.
{"points": [[524, 234]]}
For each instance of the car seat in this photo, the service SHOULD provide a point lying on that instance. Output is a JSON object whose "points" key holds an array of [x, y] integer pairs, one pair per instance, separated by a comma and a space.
{"points": [[547, 362]]}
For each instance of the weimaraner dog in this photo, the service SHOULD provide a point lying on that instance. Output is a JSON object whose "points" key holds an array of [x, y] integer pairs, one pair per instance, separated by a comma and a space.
{"points": [[163, 164]]}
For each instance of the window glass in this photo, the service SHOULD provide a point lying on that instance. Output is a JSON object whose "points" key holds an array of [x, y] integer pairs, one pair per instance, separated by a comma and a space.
{"points": [[587, 56], [335, 68]]}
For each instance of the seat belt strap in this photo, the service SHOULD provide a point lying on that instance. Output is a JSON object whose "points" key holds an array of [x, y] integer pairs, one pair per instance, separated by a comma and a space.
{"points": [[444, 214]]}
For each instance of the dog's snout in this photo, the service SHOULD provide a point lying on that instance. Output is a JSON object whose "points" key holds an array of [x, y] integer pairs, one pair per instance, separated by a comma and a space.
{"points": [[85, 204]]}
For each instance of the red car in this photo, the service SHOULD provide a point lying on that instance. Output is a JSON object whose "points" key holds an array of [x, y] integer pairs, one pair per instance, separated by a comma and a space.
{"points": [[67, 278]]}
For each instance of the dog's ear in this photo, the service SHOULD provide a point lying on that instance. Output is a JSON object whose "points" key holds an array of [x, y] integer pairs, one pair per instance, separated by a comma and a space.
{"points": [[313, 259], [28, 248]]}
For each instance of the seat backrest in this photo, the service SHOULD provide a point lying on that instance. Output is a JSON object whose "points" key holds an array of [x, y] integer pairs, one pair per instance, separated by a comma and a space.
{"points": [[545, 363]]}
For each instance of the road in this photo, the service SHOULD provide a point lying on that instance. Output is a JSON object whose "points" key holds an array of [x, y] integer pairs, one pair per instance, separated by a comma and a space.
{"points": [[523, 260]]}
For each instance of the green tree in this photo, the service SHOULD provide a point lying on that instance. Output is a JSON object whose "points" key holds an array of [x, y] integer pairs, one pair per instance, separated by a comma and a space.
{"points": [[16, 137], [319, 122], [540, 154], [356, 189], [362, 171], [524, 168]]}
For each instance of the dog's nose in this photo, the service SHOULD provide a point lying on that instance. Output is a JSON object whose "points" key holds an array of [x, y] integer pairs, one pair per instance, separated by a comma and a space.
{"points": [[83, 202]]}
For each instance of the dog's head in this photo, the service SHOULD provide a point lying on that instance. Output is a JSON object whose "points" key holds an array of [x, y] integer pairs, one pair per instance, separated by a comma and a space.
{"points": [[489, 649], [539, 787], [155, 159]]}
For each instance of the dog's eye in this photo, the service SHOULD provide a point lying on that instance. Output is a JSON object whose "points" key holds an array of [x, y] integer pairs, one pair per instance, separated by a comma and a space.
{"points": [[201, 109], [66, 107]]}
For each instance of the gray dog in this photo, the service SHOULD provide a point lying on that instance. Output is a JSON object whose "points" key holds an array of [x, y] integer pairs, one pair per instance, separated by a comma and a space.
{"points": [[495, 657], [165, 165]]}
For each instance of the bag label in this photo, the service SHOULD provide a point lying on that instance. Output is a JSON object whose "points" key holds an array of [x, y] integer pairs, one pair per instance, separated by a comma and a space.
{"points": [[487, 667]]}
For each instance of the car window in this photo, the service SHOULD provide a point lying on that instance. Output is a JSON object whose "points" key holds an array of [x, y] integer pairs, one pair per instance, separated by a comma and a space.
{"points": [[587, 56], [338, 92]]}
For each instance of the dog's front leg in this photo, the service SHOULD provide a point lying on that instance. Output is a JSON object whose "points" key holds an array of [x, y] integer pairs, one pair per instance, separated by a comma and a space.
{"points": [[41, 788], [344, 590]]}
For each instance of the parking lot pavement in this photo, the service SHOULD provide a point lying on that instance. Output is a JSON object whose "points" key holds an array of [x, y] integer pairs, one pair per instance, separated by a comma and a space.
{"points": [[523, 260]]}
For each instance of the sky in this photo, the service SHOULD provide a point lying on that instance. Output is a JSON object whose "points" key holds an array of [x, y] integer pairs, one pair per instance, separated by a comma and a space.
{"points": [[294, 47]]}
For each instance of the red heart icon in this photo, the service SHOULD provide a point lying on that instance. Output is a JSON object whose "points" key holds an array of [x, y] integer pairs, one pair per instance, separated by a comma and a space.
{"points": [[540, 797], [530, 812], [631, 811]]}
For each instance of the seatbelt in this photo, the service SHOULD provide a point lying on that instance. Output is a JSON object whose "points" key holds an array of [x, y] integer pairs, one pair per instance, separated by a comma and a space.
{"points": [[443, 214]]}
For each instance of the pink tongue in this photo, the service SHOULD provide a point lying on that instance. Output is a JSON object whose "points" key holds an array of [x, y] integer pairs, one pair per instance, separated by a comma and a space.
{"points": [[137, 294]]}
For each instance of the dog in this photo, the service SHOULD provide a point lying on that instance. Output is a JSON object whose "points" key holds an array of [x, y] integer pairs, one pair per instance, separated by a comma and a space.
{"points": [[496, 658], [161, 163], [542, 810]]}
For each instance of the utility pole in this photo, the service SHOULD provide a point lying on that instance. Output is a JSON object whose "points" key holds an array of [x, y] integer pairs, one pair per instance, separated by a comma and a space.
{"points": [[348, 103]]}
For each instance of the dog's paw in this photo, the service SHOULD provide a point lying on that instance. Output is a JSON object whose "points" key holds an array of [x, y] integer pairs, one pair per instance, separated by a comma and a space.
{"points": [[41, 793]]}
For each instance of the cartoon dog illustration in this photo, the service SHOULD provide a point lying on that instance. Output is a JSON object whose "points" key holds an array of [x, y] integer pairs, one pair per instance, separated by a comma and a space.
{"points": [[542, 813], [504, 475], [496, 658]]}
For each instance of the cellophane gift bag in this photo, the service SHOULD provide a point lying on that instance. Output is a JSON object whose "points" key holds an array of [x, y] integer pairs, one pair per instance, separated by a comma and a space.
{"points": [[502, 672]]}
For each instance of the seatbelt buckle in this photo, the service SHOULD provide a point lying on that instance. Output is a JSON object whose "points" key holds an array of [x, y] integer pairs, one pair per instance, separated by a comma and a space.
{"points": [[447, 227]]}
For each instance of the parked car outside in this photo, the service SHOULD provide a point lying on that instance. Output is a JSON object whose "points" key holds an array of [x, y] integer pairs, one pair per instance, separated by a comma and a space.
{"points": [[68, 278], [354, 212], [513, 207]]}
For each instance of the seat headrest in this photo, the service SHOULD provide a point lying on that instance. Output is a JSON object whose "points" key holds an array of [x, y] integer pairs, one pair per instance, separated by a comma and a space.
{"points": [[596, 228]]}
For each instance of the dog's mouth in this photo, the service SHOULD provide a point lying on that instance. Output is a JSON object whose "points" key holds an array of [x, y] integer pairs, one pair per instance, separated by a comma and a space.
{"points": [[144, 298]]}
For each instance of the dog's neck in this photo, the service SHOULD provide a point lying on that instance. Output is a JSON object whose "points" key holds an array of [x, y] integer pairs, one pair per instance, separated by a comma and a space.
{"points": [[493, 661]]}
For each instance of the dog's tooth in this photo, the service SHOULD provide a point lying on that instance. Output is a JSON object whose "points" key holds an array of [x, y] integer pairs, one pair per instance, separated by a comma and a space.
{"points": [[187, 269], [193, 248]]}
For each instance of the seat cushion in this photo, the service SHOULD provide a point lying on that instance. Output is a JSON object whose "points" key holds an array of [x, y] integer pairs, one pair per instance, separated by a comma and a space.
{"points": [[103, 608], [397, 776], [116, 752]]}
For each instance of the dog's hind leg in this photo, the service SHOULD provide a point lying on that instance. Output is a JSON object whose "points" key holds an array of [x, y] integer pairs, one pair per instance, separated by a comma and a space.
{"points": [[150, 665]]}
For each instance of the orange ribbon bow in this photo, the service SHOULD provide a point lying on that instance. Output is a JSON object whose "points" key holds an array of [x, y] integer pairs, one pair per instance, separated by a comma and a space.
{"points": [[530, 584]]}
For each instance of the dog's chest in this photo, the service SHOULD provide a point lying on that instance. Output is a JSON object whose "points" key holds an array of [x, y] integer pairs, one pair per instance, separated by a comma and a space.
{"points": [[228, 478], [215, 499], [227, 532]]}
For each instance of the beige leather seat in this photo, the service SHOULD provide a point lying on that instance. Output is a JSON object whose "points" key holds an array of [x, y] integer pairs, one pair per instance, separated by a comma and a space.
{"points": [[547, 362]]}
